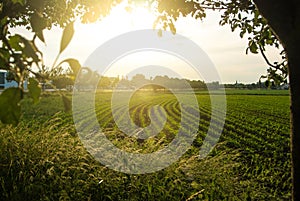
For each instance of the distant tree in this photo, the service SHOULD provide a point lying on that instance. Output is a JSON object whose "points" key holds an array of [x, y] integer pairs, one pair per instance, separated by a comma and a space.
{"points": [[61, 82], [197, 84], [125, 83], [87, 79], [104, 82], [156, 87], [139, 80], [115, 82], [213, 85], [161, 80]]}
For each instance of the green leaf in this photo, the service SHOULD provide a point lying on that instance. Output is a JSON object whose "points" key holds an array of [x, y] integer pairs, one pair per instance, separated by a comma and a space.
{"points": [[38, 24], [66, 37], [4, 58], [253, 47], [249, 29], [4, 53], [74, 64], [269, 41], [239, 16], [242, 33], [30, 50], [9, 106], [172, 28], [40, 35], [19, 43], [34, 90], [263, 76], [38, 5], [3, 64], [217, 4], [22, 2], [16, 42], [67, 103]]}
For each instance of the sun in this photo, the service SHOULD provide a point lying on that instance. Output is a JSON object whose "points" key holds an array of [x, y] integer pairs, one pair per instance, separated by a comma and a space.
{"points": [[141, 17], [119, 21], [137, 17]]}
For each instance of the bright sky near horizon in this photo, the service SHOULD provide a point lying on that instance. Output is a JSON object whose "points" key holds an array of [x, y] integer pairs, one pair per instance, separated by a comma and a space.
{"points": [[225, 49]]}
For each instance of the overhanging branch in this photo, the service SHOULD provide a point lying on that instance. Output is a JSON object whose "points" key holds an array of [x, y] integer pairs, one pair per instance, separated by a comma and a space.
{"points": [[266, 59]]}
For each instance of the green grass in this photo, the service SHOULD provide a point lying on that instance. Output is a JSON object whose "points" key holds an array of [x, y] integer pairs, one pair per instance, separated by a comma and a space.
{"points": [[43, 159], [247, 92], [257, 92]]}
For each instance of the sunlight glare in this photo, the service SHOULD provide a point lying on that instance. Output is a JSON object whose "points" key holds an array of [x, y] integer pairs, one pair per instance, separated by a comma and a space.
{"points": [[141, 17], [120, 20]]}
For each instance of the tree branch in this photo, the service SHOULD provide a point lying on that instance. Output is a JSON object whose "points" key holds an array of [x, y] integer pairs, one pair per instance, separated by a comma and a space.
{"points": [[213, 8], [266, 59]]}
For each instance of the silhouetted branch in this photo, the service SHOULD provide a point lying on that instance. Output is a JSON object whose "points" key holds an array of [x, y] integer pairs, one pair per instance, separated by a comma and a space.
{"points": [[266, 59]]}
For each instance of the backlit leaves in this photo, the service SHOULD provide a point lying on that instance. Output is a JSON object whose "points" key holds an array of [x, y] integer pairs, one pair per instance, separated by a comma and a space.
{"points": [[66, 37], [252, 47], [34, 90], [242, 16], [9, 106], [38, 24], [21, 53], [16, 42], [20, 56], [20, 44], [30, 50], [37, 5], [4, 58], [74, 64], [22, 2]]}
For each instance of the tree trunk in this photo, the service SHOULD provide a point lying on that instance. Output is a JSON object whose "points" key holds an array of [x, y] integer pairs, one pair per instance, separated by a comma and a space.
{"points": [[284, 18], [294, 75]]}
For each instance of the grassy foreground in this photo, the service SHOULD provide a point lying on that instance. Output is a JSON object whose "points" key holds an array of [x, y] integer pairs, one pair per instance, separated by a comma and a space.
{"points": [[43, 159]]}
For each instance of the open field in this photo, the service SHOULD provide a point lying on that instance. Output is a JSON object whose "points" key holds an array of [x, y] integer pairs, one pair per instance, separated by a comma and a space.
{"points": [[43, 159]]}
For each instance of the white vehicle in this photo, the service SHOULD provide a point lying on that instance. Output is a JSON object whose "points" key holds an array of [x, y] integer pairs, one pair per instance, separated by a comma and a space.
{"points": [[4, 84]]}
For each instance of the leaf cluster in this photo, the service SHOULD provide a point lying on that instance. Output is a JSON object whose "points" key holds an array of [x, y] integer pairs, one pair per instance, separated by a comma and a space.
{"points": [[19, 56], [241, 15]]}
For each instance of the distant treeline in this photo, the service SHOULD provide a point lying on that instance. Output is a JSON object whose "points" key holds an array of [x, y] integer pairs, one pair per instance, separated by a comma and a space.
{"points": [[162, 82], [259, 85], [89, 79], [156, 83]]}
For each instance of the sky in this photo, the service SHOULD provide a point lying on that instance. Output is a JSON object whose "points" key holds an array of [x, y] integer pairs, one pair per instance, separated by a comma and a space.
{"points": [[225, 49]]}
